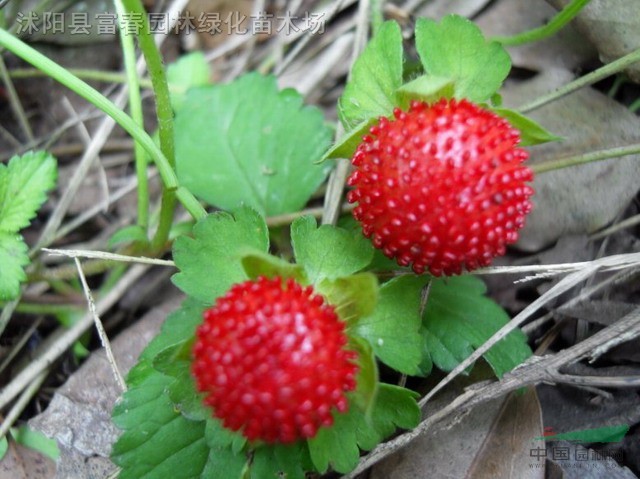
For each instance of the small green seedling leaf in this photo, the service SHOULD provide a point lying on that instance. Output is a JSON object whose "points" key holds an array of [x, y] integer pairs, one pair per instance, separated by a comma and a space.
{"points": [[328, 251], [346, 146], [13, 258], [455, 48], [531, 132], [426, 88], [393, 327], [129, 234], [24, 183], [375, 77], [4, 447], [459, 318], [210, 262], [353, 296], [189, 71], [246, 143], [261, 264], [37, 441]]}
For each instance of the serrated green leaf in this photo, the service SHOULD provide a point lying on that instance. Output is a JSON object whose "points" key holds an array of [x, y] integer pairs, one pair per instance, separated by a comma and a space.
{"points": [[427, 88], [218, 437], [246, 143], [339, 444], [346, 146], [375, 77], [13, 257], [327, 251], [353, 296], [456, 48], [157, 440], [531, 132], [393, 327], [24, 183], [262, 264], [189, 71], [458, 318], [210, 262]]}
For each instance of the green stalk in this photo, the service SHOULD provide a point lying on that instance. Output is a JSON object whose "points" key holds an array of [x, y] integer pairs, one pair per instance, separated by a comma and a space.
{"points": [[164, 111], [586, 158], [135, 106], [60, 74], [563, 17], [84, 73], [595, 76]]}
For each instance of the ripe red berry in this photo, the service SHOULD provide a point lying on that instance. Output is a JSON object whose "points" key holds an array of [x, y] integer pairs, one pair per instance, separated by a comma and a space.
{"points": [[271, 359], [441, 186]]}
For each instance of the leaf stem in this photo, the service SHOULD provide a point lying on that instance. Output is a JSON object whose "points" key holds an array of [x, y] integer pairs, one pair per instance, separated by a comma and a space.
{"points": [[586, 158], [589, 79], [563, 17], [135, 106], [84, 73], [60, 74], [164, 112]]}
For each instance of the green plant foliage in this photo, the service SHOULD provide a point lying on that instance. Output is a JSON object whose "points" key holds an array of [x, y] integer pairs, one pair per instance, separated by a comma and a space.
{"points": [[189, 71], [531, 133], [353, 297], [246, 143], [346, 146], [327, 251], [459, 318], [376, 75], [393, 327], [210, 262], [24, 183], [261, 264], [456, 49]]}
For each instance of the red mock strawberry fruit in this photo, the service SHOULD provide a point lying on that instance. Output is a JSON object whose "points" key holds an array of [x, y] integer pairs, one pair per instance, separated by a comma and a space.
{"points": [[272, 361], [441, 187]]}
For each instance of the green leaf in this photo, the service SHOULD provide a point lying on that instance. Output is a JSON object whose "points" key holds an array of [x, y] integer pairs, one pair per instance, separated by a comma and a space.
{"points": [[374, 79], [327, 251], [24, 183], [246, 143], [427, 88], [393, 327], [189, 71], [13, 257], [458, 318], [346, 146], [456, 49], [4, 447], [262, 264], [37, 441], [210, 262], [353, 296], [339, 444], [367, 380], [531, 133], [278, 461], [157, 440]]}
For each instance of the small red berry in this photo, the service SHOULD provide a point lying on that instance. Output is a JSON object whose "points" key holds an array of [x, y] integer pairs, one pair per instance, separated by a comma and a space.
{"points": [[441, 187], [271, 359]]}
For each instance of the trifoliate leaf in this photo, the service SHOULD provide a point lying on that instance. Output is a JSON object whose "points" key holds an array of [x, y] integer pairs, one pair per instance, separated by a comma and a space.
{"points": [[24, 183], [458, 318], [353, 296], [246, 143], [327, 251], [189, 71], [13, 257], [262, 264], [346, 146], [455, 48], [393, 327], [531, 133], [375, 77], [210, 262]]}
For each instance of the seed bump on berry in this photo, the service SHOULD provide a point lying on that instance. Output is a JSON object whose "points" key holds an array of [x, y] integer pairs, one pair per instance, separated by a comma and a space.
{"points": [[441, 187], [272, 361]]}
